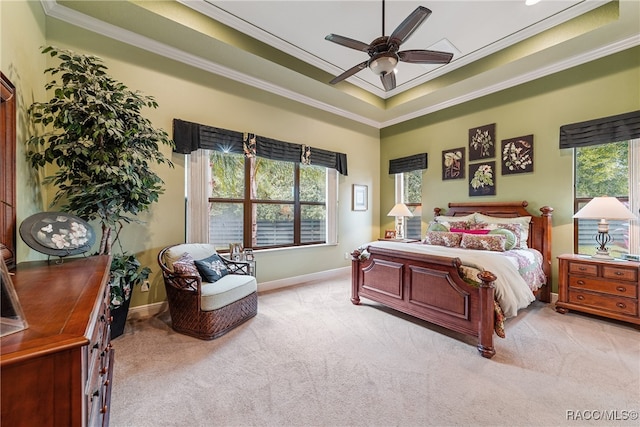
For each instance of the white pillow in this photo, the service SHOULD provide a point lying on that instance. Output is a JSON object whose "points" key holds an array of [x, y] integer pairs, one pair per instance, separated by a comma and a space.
{"points": [[524, 221]]}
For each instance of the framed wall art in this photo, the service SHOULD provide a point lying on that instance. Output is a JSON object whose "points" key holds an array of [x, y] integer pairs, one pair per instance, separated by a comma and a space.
{"points": [[359, 198], [482, 179], [517, 155], [482, 142], [453, 163]]}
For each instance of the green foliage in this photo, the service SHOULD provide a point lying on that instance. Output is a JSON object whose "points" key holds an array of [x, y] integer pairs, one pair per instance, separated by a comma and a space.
{"points": [[413, 186], [603, 170], [126, 272], [93, 132], [272, 180]]}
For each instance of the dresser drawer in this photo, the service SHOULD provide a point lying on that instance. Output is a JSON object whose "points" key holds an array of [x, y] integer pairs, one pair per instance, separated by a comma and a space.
{"points": [[585, 269], [629, 290], [619, 273], [620, 305]]}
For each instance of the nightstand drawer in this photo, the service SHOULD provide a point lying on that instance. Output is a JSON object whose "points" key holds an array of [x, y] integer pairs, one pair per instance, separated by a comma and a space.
{"points": [[618, 273], [629, 290], [620, 305], [585, 269]]}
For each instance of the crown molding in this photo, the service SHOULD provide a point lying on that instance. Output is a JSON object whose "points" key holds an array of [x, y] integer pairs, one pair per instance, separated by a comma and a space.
{"points": [[70, 16]]}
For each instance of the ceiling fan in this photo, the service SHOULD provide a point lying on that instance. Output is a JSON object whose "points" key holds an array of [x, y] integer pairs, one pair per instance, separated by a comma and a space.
{"points": [[383, 51]]}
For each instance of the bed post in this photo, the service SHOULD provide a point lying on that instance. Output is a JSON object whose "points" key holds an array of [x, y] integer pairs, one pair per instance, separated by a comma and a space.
{"points": [[355, 270], [487, 319], [545, 291]]}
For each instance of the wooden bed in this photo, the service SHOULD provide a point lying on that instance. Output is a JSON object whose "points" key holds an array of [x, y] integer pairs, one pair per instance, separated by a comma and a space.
{"points": [[431, 288]]}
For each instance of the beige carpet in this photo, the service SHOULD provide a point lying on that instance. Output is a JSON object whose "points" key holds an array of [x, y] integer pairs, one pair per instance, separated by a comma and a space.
{"points": [[311, 358]]}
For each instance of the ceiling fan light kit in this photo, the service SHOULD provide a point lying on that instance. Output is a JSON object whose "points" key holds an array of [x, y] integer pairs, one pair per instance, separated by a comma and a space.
{"points": [[383, 64], [383, 51]]}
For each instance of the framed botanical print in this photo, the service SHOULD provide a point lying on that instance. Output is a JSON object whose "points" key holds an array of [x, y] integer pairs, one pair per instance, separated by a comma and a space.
{"points": [[517, 155], [482, 142], [482, 179], [453, 163], [359, 198]]}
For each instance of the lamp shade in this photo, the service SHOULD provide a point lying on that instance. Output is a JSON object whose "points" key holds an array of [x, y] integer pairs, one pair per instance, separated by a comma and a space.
{"points": [[604, 208], [417, 211], [400, 209]]}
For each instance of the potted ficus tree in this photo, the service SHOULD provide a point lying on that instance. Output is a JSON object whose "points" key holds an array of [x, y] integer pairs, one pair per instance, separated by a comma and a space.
{"points": [[101, 147]]}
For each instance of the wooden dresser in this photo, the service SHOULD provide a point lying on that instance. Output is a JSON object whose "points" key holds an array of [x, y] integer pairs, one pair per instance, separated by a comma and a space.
{"points": [[58, 371], [605, 288]]}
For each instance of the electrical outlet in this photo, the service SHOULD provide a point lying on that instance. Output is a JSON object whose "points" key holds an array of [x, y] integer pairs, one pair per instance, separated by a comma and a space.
{"points": [[347, 255], [145, 286]]}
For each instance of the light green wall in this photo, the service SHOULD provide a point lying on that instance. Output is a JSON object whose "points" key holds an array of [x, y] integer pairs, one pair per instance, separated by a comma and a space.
{"points": [[22, 32], [604, 87], [601, 88], [194, 95]]}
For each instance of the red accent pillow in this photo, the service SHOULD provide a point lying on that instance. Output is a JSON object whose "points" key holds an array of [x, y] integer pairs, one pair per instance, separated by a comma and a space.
{"points": [[458, 230]]}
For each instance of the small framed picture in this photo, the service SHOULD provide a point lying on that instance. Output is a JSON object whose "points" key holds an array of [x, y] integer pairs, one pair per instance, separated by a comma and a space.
{"points": [[517, 155], [482, 179], [390, 234], [359, 198], [453, 163], [248, 254], [482, 142]]}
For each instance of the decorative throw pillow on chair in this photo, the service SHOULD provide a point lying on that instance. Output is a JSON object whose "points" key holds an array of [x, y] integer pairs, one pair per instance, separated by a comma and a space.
{"points": [[212, 268], [185, 266]]}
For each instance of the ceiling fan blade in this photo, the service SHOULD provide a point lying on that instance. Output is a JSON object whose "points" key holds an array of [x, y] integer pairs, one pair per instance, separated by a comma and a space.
{"points": [[350, 72], [347, 42], [425, 56], [388, 81], [409, 25]]}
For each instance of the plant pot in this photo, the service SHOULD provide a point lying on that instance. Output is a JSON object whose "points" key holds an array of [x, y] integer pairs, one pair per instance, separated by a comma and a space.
{"points": [[119, 319]]}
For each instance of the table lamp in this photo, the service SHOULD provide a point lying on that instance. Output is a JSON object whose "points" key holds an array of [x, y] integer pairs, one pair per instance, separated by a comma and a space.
{"points": [[400, 210], [604, 208]]}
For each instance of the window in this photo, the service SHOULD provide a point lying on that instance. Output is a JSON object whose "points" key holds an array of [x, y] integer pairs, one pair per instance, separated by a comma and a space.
{"points": [[409, 191], [266, 203], [607, 170]]}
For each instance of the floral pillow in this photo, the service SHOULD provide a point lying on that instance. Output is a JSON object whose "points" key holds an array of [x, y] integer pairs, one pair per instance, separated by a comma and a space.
{"points": [[442, 238], [212, 268], [487, 242], [516, 229], [185, 266], [462, 222], [509, 235], [523, 221]]}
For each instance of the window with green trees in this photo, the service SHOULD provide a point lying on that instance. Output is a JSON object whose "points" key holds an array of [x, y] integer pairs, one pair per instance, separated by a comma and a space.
{"points": [[266, 203], [603, 170]]}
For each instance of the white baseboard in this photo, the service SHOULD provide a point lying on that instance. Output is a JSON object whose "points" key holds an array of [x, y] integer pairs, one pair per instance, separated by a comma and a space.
{"points": [[297, 280], [149, 310]]}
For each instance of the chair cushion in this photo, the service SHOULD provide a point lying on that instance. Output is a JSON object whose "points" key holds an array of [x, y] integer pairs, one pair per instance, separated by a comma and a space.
{"points": [[212, 268], [227, 290]]}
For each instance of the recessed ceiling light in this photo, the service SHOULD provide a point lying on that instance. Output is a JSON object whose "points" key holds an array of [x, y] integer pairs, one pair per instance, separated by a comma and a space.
{"points": [[531, 2]]}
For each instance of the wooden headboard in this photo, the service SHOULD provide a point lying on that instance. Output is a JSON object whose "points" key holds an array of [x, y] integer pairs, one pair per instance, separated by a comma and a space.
{"points": [[539, 228]]}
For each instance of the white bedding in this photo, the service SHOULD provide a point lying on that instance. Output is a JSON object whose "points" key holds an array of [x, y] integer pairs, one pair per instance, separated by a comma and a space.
{"points": [[511, 290]]}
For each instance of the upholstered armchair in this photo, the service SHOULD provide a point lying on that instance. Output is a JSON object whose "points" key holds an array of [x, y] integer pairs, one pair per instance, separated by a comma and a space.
{"points": [[208, 294]]}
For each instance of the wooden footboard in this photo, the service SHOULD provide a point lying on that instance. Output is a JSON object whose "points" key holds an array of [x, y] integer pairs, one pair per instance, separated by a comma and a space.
{"points": [[429, 288]]}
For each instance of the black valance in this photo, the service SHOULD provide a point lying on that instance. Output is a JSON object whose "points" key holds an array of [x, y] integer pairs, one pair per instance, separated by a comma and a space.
{"points": [[622, 127], [189, 136], [408, 164]]}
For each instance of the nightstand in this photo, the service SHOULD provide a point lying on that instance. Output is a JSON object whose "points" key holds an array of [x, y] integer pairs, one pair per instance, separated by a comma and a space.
{"points": [[604, 288]]}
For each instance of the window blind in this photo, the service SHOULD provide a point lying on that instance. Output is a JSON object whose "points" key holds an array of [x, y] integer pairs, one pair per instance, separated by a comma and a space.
{"points": [[408, 164], [189, 136], [621, 127]]}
